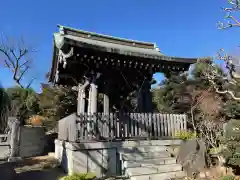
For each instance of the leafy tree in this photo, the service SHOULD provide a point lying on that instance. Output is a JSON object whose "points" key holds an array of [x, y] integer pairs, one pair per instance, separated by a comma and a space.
{"points": [[56, 103], [192, 94], [167, 96], [4, 109], [177, 93], [16, 56], [228, 84], [24, 102], [232, 142], [232, 109]]}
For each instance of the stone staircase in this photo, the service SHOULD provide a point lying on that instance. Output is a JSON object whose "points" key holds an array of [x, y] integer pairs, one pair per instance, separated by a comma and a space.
{"points": [[150, 162]]}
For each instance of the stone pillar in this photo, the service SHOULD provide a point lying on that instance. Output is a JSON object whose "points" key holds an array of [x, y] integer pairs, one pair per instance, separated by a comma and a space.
{"points": [[15, 141]]}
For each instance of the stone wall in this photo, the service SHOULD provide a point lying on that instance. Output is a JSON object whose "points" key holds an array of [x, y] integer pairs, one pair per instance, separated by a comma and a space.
{"points": [[102, 158], [32, 141]]}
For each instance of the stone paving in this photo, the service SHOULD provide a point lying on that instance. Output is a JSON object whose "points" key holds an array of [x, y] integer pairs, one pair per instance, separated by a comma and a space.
{"points": [[38, 168]]}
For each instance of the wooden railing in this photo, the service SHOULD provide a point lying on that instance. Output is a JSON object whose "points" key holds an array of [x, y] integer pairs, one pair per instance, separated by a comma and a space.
{"points": [[115, 126]]}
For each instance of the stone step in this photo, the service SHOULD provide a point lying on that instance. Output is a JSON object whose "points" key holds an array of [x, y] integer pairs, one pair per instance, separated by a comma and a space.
{"points": [[150, 143], [144, 149], [141, 163], [147, 155], [160, 176], [51, 154], [152, 169]]}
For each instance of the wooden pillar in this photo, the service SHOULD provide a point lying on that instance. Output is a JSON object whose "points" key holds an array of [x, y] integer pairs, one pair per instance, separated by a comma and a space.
{"points": [[148, 101], [81, 97], [140, 102], [92, 101], [83, 101], [106, 100], [89, 99], [140, 98], [106, 103], [94, 95], [79, 100], [145, 97]]}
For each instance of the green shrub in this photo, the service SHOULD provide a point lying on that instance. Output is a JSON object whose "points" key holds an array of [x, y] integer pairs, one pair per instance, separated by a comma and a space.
{"points": [[232, 143], [185, 135], [228, 177], [79, 176], [216, 150]]}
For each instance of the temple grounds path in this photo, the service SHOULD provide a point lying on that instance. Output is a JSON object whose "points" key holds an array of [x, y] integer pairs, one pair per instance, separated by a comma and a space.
{"points": [[38, 168]]}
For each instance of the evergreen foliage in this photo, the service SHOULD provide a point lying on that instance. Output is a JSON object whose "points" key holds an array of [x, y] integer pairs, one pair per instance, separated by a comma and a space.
{"points": [[231, 151]]}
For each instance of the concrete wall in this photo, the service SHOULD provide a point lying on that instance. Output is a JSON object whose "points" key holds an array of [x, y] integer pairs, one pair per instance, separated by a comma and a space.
{"points": [[101, 158], [4, 151], [4, 146], [32, 141]]}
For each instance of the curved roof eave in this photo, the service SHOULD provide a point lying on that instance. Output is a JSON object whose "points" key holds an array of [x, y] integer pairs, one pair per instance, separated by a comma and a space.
{"points": [[124, 49]]}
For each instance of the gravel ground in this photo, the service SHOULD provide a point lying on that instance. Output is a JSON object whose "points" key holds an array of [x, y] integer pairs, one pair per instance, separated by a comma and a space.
{"points": [[38, 168], [46, 168]]}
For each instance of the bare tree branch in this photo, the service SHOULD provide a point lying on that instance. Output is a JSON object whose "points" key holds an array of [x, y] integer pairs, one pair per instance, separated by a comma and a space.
{"points": [[205, 117], [16, 58], [213, 76], [233, 22], [231, 93]]}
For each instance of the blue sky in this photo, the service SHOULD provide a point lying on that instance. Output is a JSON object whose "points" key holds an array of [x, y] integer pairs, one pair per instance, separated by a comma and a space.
{"points": [[180, 28]]}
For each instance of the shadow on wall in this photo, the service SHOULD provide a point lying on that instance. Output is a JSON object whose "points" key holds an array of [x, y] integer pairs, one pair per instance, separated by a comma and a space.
{"points": [[50, 146], [64, 161], [32, 141], [102, 158]]}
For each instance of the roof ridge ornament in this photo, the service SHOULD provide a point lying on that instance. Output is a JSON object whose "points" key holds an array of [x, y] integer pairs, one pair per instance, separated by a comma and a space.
{"points": [[61, 30], [157, 48], [59, 40]]}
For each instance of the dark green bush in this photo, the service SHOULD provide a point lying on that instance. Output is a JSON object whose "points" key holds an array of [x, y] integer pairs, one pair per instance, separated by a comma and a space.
{"points": [[228, 177], [232, 110], [79, 176], [231, 140]]}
